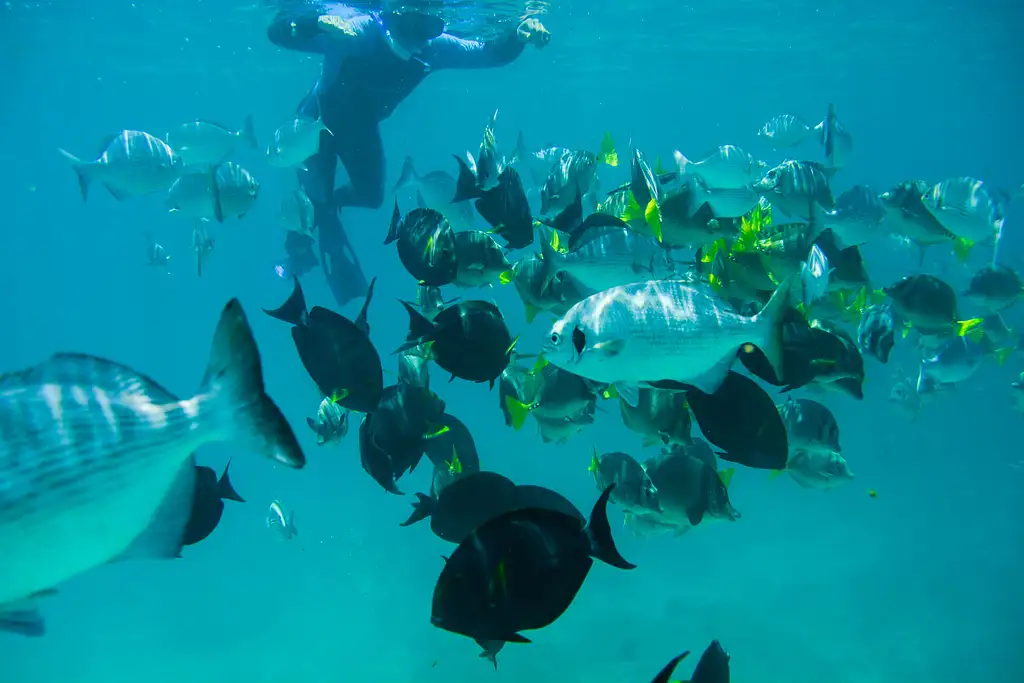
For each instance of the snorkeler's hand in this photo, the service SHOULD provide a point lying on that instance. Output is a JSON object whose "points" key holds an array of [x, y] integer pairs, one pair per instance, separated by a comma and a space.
{"points": [[532, 31], [335, 26]]}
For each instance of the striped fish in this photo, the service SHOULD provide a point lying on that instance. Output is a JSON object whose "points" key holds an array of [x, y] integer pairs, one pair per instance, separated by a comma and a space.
{"points": [[132, 163], [650, 332], [96, 460]]}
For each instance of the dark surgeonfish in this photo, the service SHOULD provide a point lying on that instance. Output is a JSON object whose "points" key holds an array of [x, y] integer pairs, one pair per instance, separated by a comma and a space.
{"points": [[521, 571], [208, 503], [336, 352], [713, 666], [109, 439]]}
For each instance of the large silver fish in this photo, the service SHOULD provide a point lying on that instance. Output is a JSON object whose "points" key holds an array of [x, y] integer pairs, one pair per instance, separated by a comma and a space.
{"points": [[131, 164], [609, 257], [96, 460], [652, 331]]}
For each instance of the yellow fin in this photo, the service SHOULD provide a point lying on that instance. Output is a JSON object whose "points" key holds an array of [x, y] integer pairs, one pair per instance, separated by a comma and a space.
{"points": [[512, 345], [531, 312], [716, 283], [1003, 354], [971, 329], [652, 216], [336, 396], [608, 154], [455, 466], [610, 393], [507, 277], [540, 364], [436, 431], [962, 249], [556, 243], [775, 474], [632, 210], [726, 476], [517, 411], [595, 464], [658, 168]]}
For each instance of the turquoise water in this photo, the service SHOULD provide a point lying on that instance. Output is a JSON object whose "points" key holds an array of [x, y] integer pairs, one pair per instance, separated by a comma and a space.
{"points": [[919, 584]]}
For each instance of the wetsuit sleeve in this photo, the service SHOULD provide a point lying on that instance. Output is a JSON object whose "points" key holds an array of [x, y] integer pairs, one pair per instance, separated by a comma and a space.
{"points": [[450, 52], [301, 31]]}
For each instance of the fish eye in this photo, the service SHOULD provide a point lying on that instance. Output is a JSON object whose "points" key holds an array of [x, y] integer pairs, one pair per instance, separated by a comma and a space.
{"points": [[579, 340], [555, 338]]}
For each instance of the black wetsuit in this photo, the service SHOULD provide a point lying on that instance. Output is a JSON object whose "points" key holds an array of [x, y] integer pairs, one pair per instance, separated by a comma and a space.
{"points": [[362, 82]]}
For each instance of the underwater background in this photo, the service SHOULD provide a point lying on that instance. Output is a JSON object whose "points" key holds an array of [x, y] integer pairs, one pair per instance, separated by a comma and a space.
{"points": [[921, 583]]}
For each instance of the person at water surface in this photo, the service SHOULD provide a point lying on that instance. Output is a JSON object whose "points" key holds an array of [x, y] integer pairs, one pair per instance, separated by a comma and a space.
{"points": [[372, 62]]}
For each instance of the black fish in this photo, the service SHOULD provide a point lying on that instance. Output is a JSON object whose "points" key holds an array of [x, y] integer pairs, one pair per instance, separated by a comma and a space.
{"points": [[392, 438], [570, 218], [530, 496], [925, 302], [426, 245], [456, 442], [520, 571], [713, 666], [464, 505], [741, 419], [876, 332], [208, 503], [336, 352], [507, 210], [469, 339], [816, 353]]}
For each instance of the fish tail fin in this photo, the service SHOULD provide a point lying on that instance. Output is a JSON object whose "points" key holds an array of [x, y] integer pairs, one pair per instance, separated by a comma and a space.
{"points": [[465, 185], [234, 381], [602, 545], [973, 329], [396, 224], [607, 154], [517, 411], [681, 162], [408, 177], [293, 310], [85, 170], [773, 320], [248, 132], [420, 329], [422, 508], [225, 491], [550, 257]]}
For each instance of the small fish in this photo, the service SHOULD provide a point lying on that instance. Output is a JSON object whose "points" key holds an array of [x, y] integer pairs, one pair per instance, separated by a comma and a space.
{"points": [[296, 212], [204, 142], [690, 487], [967, 208], [426, 245], [202, 245], [858, 218], [907, 215], [226, 190], [810, 425], [278, 521], [468, 339], [995, 288], [556, 395], [814, 274], [817, 469], [156, 256], [727, 168], [953, 361], [295, 141], [132, 163], [787, 130], [876, 331], [538, 294], [331, 423], [634, 490], [435, 190], [661, 415], [208, 503]]}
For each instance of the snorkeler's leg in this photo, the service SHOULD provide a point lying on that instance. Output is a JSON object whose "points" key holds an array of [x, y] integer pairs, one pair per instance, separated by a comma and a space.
{"points": [[362, 153]]}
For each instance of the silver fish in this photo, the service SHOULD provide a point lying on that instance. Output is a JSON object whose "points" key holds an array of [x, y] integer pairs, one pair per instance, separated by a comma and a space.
{"points": [[131, 164], [435, 190], [966, 208], [480, 259], [799, 188], [281, 522], [952, 361], [295, 141], [727, 168], [810, 426], [817, 469], [202, 245], [156, 256], [609, 257], [96, 459], [814, 274], [668, 330], [225, 191], [331, 423], [205, 142], [297, 212], [858, 217], [876, 332], [787, 130]]}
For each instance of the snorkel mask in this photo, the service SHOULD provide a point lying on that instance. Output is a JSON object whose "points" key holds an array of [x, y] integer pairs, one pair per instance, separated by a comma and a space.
{"points": [[408, 32]]}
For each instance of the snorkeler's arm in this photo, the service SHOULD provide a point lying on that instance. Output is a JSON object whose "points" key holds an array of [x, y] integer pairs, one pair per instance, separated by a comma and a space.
{"points": [[310, 31], [449, 52]]}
